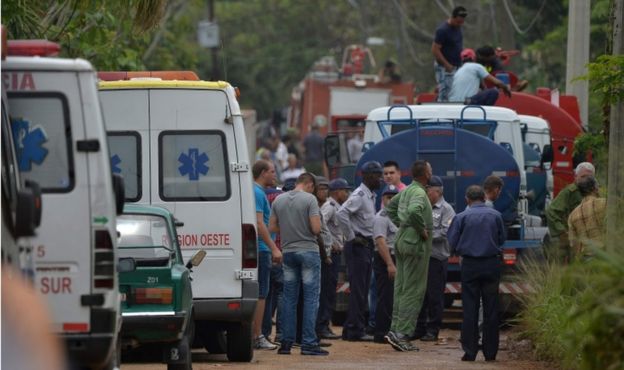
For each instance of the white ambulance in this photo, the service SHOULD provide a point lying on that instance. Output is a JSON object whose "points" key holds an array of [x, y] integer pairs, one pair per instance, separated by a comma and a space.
{"points": [[180, 144], [60, 143]]}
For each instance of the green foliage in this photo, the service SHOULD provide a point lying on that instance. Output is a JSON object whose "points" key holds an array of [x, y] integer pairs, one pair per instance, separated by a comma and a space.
{"points": [[589, 142], [607, 77], [576, 314]]}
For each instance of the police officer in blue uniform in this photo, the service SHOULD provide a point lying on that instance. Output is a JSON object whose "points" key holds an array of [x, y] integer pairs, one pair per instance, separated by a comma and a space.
{"points": [[356, 217]]}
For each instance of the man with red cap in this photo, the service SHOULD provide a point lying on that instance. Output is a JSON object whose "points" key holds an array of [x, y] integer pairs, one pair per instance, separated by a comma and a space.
{"points": [[467, 80]]}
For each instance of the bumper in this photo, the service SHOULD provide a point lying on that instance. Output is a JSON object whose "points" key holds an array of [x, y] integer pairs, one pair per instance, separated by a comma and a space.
{"points": [[92, 350], [153, 327], [228, 309]]}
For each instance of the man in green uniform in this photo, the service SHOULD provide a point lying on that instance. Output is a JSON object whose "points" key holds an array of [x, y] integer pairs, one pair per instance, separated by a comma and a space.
{"points": [[410, 210], [559, 210]]}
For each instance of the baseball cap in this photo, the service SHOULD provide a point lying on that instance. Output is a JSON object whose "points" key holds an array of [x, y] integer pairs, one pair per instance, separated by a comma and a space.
{"points": [[390, 190], [372, 167], [289, 184], [322, 180], [468, 53], [339, 183], [435, 181], [459, 11]]}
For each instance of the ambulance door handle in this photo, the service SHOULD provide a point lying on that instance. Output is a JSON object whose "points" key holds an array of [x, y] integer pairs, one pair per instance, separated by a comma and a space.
{"points": [[92, 145]]}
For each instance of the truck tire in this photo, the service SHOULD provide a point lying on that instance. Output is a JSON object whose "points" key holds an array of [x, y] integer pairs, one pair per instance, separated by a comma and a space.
{"points": [[215, 342], [184, 348], [240, 343]]}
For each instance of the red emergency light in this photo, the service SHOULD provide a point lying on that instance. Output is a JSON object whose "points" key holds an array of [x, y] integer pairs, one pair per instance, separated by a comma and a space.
{"points": [[32, 48]]}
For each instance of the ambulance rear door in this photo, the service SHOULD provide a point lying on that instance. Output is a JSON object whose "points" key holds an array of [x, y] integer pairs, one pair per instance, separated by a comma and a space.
{"points": [[47, 125], [193, 155]]}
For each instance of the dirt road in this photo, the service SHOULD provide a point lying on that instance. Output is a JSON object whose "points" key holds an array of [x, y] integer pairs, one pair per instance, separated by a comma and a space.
{"points": [[350, 355]]}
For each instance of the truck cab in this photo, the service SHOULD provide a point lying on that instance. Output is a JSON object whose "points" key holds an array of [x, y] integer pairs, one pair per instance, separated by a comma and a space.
{"points": [[60, 143]]}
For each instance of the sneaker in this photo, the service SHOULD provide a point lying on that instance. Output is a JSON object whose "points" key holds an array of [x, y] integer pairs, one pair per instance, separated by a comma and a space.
{"points": [[328, 334], [324, 344], [429, 338], [314, 351], [263, 344], [399, 342], [284, 349]]}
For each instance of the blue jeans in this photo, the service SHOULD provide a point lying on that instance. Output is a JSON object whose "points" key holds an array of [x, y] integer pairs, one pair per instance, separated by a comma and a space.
{"points": [[273, 301], [444, 80], [264, 273], [301, 267]]}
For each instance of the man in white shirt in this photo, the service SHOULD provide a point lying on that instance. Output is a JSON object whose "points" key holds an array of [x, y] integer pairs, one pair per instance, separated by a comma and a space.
{"points": [[467, 80]]}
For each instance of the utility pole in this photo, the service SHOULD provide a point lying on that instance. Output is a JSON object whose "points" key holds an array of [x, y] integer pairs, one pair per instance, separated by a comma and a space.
{"points": [[615, 196], [215, 50], [578, 54]]}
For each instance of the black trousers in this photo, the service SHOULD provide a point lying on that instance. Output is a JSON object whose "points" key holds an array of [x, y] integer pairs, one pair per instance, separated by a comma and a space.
{"points": [[385, 296], [479, 279], [327, 299], [430, 317], [359, 260]]}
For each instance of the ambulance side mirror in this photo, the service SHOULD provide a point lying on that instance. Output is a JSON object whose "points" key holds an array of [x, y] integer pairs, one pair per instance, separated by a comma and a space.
{"points": [[36, 191], [120, 192], [25, 215]]}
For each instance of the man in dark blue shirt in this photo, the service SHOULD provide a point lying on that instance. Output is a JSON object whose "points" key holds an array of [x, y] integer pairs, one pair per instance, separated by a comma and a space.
{"points": [[446, 49], [477, 235]]}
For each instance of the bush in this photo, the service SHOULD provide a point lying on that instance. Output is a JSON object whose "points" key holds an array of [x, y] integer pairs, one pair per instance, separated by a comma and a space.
{"points": [[576, 314]]}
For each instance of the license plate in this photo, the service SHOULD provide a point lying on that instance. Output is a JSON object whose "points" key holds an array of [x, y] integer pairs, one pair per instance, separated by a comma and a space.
{"points": [[246, 274]]}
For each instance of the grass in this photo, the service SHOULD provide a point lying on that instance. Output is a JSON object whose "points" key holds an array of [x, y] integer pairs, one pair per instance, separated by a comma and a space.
{"points": [[575, 317]]}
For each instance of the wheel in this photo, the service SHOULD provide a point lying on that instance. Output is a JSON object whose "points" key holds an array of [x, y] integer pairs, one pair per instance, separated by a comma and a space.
{"points": [[240, 343], [184, 349], [215, 342]]}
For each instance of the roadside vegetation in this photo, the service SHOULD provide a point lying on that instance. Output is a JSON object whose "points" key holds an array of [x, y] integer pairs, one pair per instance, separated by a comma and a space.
{"points": [[575, 317]]}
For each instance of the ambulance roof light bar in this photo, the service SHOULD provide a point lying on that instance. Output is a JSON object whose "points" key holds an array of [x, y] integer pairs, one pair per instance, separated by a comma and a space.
{"points": [[162, 75], [32, 48]]}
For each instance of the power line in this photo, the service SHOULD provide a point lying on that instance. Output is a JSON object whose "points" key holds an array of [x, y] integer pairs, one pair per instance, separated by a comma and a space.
{"points": [[513, 21]]}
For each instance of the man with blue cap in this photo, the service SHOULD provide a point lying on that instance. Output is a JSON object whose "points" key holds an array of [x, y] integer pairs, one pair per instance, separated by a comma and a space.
{"points": [[430, 317], [356, 219], [384, 232], [338, 193]]}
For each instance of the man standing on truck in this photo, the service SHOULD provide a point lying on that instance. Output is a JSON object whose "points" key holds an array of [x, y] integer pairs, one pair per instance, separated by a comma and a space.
{"points": [[356, 219], [264, 176], [467, 80], [296, 216], [560, 208], [338, 193], [430, 317], [446, 48], [477, 235], [411, 211]]}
